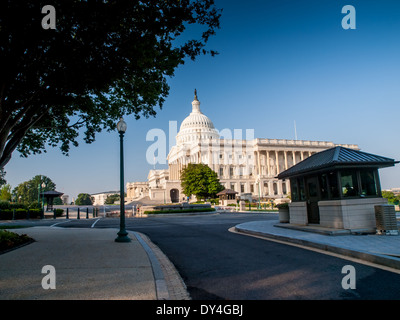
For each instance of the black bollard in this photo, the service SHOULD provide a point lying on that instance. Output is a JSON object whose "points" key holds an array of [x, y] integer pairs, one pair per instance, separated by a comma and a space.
{"points": [[54, 211], [78, 216], [67, 214], [87, 213]]}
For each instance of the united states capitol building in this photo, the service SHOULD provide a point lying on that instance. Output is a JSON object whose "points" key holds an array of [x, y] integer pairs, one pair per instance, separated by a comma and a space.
{"points": [[247, 166]]}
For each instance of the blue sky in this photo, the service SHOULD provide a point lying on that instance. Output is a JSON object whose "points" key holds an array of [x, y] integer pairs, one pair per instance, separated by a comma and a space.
{"points": [[279, 62]]}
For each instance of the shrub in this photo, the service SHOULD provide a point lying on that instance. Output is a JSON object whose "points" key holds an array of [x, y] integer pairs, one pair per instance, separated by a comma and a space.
{"points": [[214, 201], [180, 211], [35, 213], [18, 206], [9, 240], [20, 213], [59, 212], [4, 204], [6, 214], [35, 205], [284, 205]]}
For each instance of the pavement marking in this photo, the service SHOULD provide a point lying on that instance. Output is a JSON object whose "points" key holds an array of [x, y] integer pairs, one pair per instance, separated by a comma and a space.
{"points": [[92, 226], [337, 255], [53, 225]]}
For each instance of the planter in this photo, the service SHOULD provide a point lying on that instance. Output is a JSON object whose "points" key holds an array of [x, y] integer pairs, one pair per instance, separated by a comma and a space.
{"points": [[283, 215]]}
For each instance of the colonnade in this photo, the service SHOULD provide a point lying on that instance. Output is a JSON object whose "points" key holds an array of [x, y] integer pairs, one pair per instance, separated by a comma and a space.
{"points": [[243, 175]]}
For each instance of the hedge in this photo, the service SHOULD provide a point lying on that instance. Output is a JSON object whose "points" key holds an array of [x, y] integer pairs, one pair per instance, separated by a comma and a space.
{"points": [[8, 214], [180, 211]]}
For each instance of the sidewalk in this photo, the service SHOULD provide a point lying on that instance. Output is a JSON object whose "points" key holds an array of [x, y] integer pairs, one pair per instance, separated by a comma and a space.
{"points": [[379, 249], [89, 265]]}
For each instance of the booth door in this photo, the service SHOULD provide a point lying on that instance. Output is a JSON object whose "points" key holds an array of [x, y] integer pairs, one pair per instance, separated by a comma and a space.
{"points": [[312, 200]]}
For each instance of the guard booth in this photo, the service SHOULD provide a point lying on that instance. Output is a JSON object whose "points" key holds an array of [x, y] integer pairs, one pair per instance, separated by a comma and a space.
{"points": [[227, 196], [337, 188], [50, 196]]}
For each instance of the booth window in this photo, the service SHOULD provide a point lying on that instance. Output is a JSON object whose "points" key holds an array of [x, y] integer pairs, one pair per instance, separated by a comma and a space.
{"points": [[293, 188], [333, 185], [302, 190], [368, 183], [324, 186], [349, 183]]}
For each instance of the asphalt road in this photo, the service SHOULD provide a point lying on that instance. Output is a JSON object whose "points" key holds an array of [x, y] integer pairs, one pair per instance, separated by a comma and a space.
{"points": [[218, 264]]}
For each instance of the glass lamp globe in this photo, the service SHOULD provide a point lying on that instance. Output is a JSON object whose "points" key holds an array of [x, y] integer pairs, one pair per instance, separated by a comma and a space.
{"points": [[121, 126]]}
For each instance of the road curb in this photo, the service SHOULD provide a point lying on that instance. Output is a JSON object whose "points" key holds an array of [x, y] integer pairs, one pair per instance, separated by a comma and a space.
{"points": [[168, 282], [387, 261]]}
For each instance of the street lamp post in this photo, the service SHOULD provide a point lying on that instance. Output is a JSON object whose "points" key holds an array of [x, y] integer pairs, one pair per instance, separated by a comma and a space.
{"points": [[259, 191], [39, 191], [43, 186], [122, 234]]}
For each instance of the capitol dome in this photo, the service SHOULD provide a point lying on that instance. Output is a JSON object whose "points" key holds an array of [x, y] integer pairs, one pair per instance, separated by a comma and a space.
{"points": [[197, 126]]}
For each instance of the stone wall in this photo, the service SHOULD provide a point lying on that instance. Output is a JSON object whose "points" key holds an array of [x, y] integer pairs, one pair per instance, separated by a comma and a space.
{"points": [[298, 213], [349, 214]]}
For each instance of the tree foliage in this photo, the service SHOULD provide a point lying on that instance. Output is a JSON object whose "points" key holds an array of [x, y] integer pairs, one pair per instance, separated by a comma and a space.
{"points": [[84, 199], [112, 198], [2, 177], [200, 180], [391, 197], [5, 193], [28, 191], [105, 59]]}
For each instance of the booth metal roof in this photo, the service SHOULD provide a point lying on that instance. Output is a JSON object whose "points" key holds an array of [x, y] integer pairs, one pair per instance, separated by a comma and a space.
{"points": [[51, 193], [335, 157], [226, 191]]}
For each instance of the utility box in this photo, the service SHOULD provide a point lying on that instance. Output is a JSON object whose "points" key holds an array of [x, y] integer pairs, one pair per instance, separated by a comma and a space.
{"points": [[386, 222]]}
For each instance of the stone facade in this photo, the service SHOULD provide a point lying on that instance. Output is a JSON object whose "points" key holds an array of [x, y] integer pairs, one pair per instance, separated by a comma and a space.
{"points": [[247, 166], [98, 199]]}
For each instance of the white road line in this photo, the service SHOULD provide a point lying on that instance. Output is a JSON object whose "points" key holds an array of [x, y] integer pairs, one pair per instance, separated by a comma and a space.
{"points": [[92, 226], [53, 225]]}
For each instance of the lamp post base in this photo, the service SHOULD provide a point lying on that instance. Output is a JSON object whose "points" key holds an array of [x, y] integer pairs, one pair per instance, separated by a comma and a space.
{"points": [[122, 237]]}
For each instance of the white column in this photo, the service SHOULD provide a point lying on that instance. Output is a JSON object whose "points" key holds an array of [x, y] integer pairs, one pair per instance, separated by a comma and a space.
{"points": [[279, 185], [286, 164], [277, 162], [268, 165], [270, 188]]}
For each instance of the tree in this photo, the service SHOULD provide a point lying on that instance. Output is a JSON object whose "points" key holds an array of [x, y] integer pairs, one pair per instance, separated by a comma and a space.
{"points": [[200, 180], [113, 197], [5, 193], [2, 175], [104, 60], [28, 191], [390, 196], [84, 199]]}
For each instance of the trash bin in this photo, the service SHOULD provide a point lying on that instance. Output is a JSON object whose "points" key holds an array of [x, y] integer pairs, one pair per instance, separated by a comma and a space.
{"points": [[386, 222]]}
